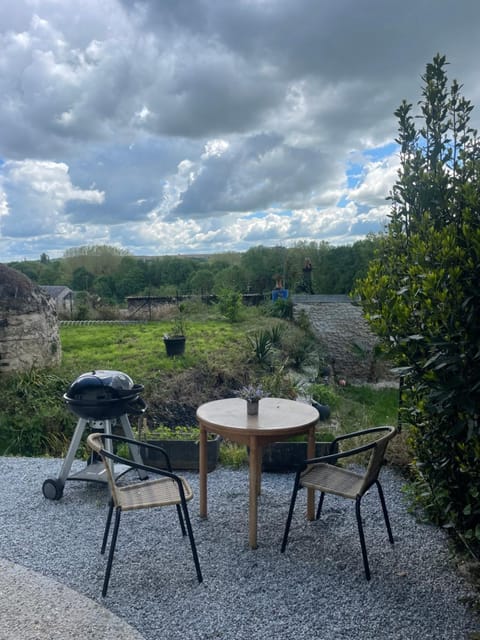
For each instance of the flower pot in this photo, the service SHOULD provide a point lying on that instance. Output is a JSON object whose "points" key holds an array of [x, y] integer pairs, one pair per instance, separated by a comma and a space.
{"points": [[286, 457], [252, 407], [175, 345], [184, 454], [323, 410]]}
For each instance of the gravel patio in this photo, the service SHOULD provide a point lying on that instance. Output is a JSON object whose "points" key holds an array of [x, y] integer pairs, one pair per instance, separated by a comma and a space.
{"points": [[316, 589]]}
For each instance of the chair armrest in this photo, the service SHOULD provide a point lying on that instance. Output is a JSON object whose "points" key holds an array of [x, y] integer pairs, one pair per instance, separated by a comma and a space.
{"points": [[341, 454]]}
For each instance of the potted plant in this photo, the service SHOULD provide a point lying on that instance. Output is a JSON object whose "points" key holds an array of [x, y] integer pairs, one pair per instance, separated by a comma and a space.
{"points": [[175, 339], [181, 445], [252, 394]]}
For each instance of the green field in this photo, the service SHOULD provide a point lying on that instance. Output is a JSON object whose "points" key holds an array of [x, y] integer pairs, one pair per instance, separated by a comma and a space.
{"points": [[219, 358]]}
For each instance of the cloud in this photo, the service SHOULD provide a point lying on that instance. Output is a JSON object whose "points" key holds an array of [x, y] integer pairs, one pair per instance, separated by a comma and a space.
{"points": [[46, 188], [200, 126], [376, 182]]}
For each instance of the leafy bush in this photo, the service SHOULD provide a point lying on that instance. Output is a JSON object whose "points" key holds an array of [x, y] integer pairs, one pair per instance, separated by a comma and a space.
{"points": [[230, 303], [324, 394], [299, 348], [281, 308], [422, 297], [233, 455], [33, 419], [303, 321]]}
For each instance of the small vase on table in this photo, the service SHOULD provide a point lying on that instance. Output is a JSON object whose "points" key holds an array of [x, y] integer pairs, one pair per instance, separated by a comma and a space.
{"points": [[252, 407]]}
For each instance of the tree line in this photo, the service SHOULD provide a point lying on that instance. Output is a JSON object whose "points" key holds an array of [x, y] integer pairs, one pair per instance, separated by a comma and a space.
{"points": [[112, 274]]}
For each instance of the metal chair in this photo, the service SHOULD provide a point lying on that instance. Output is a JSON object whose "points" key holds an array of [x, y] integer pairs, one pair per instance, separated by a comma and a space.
{"points": [[169, 489], [322, 475]]}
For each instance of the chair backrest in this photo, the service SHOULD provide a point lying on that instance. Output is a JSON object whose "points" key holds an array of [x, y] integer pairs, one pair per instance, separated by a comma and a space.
{"points": [[377, 456], [96, 442]]}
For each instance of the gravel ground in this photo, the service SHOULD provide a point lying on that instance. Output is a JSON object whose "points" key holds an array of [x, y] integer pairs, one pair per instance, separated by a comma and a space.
{"points": [[316, 589]]}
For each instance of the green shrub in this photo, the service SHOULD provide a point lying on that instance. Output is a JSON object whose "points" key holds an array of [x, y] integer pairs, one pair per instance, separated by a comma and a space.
{"points": [[233, 455], [276, 332], [303, 321], [422, 297], [299, 348], [324, 394], [33, 418], [230, 304], [281, 308], [261, 345]]}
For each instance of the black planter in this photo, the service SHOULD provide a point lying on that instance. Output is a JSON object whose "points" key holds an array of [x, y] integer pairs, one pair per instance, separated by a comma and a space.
{"points": [[184, 454], [286, 457], [175, 345], [323, 410]]}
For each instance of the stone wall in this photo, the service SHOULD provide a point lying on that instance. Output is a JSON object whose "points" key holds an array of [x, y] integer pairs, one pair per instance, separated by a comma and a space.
{"points": [[29, 335], [344, 336]]}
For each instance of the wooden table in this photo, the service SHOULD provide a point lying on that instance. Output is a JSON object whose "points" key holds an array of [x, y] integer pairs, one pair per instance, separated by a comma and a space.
{"points": [[277, 419]]}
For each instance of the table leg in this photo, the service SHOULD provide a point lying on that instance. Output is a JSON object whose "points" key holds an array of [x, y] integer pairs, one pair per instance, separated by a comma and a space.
{"points": [[202, 471], [259, 469], [253, 488], [311, 492]]}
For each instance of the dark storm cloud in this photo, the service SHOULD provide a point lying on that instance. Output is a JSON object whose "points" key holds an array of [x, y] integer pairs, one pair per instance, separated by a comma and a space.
{"points": [[154, 112]]}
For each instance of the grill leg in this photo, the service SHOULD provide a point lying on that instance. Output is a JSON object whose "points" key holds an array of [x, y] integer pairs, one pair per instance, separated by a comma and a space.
{"points": [[72, 450], [127, 431]]}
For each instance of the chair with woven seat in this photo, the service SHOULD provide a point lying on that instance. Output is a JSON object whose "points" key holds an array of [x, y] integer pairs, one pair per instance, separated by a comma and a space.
{"points": [[167, 490], [322, 474]]}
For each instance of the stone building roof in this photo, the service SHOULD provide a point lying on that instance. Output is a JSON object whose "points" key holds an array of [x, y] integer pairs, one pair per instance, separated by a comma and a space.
{"points": [[56, 291]]}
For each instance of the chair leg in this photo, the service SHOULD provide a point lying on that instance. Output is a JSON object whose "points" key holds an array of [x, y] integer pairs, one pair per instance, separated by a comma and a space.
{"points": [[107, 527], [320, 505], [385, 512], [180, 517], [290, 513], [118, 513], [362, 538], [192, 541]]}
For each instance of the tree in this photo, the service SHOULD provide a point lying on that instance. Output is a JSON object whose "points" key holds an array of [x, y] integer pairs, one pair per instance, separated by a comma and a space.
{"points": [[100, 260], [422, 297], [261, 265], [201, 281], [129, 278], [82, 280], [232, 277]]}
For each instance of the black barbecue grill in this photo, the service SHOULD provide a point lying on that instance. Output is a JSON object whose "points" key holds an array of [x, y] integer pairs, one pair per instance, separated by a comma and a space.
{"points": [[99, 399], [103, 395]]}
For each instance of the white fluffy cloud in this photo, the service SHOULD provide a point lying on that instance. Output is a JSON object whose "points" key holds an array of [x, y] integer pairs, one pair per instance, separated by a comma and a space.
{"points": [[204, 126]]}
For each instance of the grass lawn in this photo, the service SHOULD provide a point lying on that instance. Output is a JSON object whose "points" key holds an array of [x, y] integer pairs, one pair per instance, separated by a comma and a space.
{"points": [[219, 358], [138, 349]]}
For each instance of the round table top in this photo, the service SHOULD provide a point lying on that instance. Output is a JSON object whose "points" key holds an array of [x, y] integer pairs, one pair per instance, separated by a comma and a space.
{"points": [[276, 416]]}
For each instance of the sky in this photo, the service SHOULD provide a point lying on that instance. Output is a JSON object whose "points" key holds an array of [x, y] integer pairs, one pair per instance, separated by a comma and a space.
{"points": [[171, 127]]}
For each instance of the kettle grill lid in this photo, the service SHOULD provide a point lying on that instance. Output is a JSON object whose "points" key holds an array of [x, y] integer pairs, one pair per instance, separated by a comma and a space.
{"points": [[115, 383]]}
